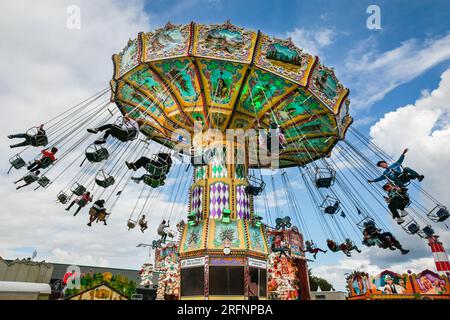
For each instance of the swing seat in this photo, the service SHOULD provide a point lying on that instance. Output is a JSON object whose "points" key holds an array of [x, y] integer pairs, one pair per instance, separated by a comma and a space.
{"points": [[45, 162], [78, 189], [404, 178], [331, 209], [426, 232], [62, 197], [412, 227], [256, 186], [122, 134], [104, 180], [95, 154], [439, 214], [154, 182], [37, 137], [43, 181], [131, 224], [324, 182], [30, 178], [157, 167], [17, 162], [108, 182]]}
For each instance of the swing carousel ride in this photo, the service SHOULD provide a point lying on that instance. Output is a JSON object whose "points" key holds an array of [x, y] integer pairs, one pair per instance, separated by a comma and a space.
{"points": [[170, 89]]}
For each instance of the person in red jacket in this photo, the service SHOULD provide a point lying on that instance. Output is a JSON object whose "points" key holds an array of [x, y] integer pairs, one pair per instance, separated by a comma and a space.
{"points": [[40, 163]]}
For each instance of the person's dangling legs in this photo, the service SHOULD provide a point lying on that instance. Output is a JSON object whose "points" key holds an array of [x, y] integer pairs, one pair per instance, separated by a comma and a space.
{"points": [[33, 165], [78, 210], [70, 206], [25, 143], [413, 174], [141, 162]]}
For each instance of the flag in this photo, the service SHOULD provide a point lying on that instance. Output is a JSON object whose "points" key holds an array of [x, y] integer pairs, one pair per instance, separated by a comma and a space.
{"points": [[342, 214], [359, 211]]}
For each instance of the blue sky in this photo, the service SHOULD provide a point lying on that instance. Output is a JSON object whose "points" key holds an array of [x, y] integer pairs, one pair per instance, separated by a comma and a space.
{"points": [[391, 74]]}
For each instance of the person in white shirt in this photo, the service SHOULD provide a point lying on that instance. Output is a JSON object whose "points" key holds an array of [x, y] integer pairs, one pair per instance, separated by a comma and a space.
{"points": [[127, 124]]}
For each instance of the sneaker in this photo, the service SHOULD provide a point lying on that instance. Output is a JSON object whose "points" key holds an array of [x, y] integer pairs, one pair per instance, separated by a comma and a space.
{"points": [[100, 141], [67, 209], [89, 224], [129, 165], [420, 178], [137, 180], [403, 213], [404, 251], [400, 220], [10, 137], [92, 130]]}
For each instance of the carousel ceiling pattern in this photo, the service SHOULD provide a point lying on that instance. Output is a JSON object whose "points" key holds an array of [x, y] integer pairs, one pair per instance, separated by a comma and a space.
{"points": [[228, 78]]}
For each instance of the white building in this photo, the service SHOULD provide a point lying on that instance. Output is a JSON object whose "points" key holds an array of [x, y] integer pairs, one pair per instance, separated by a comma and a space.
{"points": [[328, 295]]}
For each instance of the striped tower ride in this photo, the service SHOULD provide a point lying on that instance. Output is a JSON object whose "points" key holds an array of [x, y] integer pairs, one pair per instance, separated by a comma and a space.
{"points": [[439, 255]]}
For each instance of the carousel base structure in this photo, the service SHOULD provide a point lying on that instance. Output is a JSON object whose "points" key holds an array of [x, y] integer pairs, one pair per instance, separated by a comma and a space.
{"points": [[218, 261]]}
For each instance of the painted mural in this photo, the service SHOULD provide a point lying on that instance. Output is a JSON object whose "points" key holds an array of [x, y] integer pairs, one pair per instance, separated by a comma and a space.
{"points": [[430, 283], [170, 41], [194, 237]]}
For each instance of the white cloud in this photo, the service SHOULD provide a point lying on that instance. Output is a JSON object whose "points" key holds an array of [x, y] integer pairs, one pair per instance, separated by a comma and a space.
{"points": [[372, 74], [312, 41], [424, 128]]}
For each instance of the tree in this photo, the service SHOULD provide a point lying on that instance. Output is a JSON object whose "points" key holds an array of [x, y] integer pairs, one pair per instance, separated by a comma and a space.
{"points": [[315, 282]]}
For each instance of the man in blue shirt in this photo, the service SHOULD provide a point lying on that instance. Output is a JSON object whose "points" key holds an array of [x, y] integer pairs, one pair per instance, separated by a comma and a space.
{"points": [[395, 173]]}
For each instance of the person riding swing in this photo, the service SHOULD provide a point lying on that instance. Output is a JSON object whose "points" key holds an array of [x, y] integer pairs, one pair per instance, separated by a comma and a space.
{"points": [[97, 212], [36, 139], [311, 247], [373, 236], [395, 173], [48, 157], [130, 125], [397, 199], [162, 230], [81, 201], [346, 247], [143, 223], [29, 178]]}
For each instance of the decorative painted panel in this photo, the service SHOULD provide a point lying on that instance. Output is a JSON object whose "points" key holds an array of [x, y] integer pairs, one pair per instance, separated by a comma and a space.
{"points": [[199, 173], [283, 58], [222, 81], [231, 233], [242, 203], [168, 42], [219, 196], [129, 57], [327, 87], [197, 201], [193, 238], [261, 90], [226, 42], [257, 239]]}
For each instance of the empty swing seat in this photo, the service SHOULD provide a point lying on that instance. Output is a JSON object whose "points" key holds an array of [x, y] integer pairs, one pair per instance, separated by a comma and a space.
{"points": [[325, 177], [256, 186], [443, 214], [331, 209], [131, 224], [96, 154], [439, 214], [324, 182], [411, 227], [427, 232], [62, 197], [17, 162], [202, 159], [43, 181], [104, 180], [78, 189]]}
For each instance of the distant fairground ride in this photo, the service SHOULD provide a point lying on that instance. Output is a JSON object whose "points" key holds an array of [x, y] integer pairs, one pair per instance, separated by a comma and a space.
{"points": [[189, 88]]}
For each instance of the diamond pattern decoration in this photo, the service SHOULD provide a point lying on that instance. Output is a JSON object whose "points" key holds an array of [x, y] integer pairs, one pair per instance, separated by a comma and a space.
{"points": [[219, 196], [218, 170], [242, 203], [200, 173], [197, 197]]}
